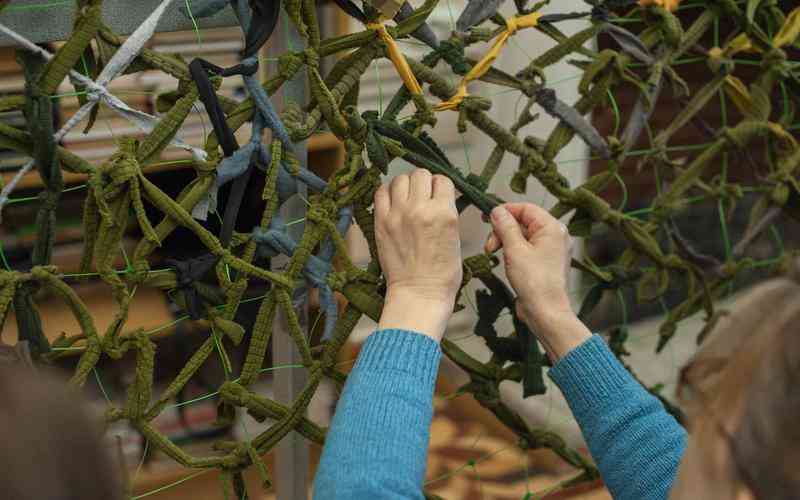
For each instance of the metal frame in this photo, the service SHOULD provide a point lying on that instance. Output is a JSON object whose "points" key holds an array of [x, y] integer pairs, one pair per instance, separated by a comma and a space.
{"points": [[292, 453]]}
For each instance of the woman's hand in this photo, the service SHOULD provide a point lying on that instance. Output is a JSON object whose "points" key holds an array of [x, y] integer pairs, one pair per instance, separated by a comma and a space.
{"points": [[537, 254], [416, 229]]}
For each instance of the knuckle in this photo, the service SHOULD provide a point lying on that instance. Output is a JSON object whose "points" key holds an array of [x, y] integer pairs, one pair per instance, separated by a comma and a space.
{"points": [[399, 179], [444, 180], [449, 216], [421, 172]]}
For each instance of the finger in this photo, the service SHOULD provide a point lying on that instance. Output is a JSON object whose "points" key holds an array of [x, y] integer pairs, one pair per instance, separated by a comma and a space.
{"points": [[420, 187], [527, 212], [383, 202], [443, 189], [531, 217], [506, 227], [399, 189], [492, 243]]}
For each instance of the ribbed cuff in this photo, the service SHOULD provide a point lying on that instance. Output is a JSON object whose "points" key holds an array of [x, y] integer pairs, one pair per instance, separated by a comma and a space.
{"points": [[401, 350], [590, 375]]}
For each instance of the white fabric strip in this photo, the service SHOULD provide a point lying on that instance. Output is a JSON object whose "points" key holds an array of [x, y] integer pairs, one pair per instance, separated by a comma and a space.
{"points": [[97, 90]]}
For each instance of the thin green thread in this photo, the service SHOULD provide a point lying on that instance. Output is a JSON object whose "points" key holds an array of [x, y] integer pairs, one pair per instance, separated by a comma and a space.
{"points": [[194, 23]]}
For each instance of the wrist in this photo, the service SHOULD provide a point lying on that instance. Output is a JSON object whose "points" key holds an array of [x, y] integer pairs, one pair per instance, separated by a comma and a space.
{"points": [[416, 310], [544, 313], [558, 329]]}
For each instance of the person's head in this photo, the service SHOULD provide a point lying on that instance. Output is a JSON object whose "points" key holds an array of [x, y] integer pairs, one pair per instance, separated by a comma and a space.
{"points": [[740, 392], [51, 446]]}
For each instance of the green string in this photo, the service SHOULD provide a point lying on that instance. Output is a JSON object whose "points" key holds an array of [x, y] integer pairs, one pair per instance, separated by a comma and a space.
{"points": [[141, 462], [101, 386], [11, 201], [3, 258], [776, 235], [623, 307], [624, 188], [223, 355], [194, 23], [468, 464], [615, 108], [171, 485], [216, 393]]}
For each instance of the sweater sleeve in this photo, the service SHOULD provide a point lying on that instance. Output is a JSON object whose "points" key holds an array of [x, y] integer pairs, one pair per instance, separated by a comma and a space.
{"points": [[637, 445], [377, 444]]}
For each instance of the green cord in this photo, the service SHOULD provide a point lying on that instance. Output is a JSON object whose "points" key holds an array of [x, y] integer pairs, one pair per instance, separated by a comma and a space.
{"points": [[171, 485], [194, 23], [3, 258], [615, 108]]}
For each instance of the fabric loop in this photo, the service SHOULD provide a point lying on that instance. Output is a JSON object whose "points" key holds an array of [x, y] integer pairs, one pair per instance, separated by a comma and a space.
{"points": [[397, 58], [513, 24]]}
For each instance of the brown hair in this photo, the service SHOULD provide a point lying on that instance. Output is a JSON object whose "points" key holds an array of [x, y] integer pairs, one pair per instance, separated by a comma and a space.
{"points": [[51, 447], [745, 381]]}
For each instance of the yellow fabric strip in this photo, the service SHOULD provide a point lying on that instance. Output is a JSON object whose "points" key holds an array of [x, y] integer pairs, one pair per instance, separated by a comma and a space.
{"points": [[738, 93], [789, 142], [398, 59], [786, 36], [790, 29], [513, 24], [670, 5], [741, 43]]}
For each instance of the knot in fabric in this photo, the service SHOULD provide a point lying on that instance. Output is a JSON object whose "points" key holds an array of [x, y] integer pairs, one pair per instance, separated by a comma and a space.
{"points": [[398, 59], [49, 200], [94, 93], [311, 56], [513, 24], [123, 170], [452, 51], [43, 273]]}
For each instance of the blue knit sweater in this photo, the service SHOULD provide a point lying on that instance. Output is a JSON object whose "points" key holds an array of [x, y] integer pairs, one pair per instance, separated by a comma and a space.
{"points": [[378, 441]]}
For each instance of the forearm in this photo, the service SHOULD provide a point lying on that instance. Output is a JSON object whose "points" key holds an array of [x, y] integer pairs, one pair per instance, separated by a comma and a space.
{"points": [[637, 445], [377, 444]]}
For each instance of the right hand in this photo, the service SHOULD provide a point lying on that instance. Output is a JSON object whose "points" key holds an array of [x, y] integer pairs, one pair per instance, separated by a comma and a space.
{"points": [[537, 252], [537, 255]]}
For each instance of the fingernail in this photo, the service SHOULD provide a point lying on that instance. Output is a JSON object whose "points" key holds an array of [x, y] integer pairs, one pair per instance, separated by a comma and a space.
{"points": [[491, 243], [499, 213]]}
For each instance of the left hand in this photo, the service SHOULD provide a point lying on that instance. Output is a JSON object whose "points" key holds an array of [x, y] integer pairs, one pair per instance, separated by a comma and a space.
{"points": [[416, 230]]}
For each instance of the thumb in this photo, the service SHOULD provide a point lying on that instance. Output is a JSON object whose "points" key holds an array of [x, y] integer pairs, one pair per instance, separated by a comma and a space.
{"points": [[506, 227]]}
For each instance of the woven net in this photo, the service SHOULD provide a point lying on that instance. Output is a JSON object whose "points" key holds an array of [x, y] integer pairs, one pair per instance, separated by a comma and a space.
{"points": [[649, 47]]}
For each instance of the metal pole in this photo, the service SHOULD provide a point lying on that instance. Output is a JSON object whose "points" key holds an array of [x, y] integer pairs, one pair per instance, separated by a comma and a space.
{"points": [[292, 453]]}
